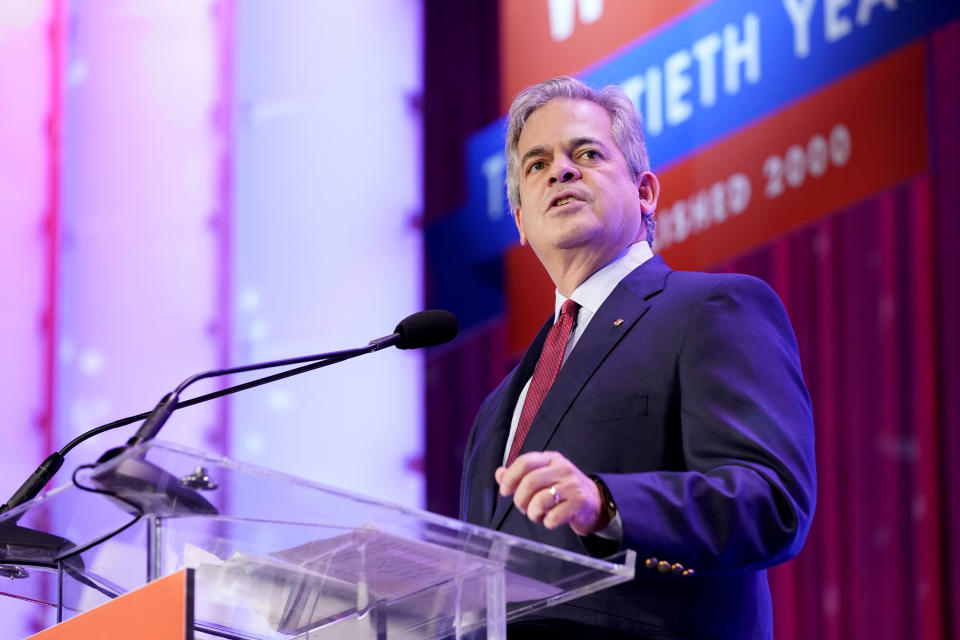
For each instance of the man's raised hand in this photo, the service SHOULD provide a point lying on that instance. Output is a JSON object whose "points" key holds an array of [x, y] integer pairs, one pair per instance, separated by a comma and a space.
{"points": [[551, 490]]}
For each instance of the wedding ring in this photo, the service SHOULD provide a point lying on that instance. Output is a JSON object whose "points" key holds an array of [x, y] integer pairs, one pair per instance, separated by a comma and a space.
{"points": [[555, 494]]}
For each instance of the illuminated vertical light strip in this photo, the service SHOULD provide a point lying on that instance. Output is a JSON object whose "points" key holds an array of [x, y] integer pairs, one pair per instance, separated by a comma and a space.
{"points": [[326, 246], [223, 121], [55, 40]]}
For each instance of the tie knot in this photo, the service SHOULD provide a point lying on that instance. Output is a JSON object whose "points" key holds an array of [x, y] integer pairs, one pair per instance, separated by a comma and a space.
{"points": [[569, 308]]}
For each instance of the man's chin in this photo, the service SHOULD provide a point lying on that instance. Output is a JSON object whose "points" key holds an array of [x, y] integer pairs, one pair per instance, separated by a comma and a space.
{"points": [[577, 237], [575, 231], [573, 244]]}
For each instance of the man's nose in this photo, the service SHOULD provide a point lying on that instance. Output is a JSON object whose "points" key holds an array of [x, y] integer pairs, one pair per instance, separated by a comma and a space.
{"points": [[563, 171]]}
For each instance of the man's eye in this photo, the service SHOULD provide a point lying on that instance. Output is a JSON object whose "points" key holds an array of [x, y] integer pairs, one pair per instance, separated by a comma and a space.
{"points": [[536, 166], [591, 154]]}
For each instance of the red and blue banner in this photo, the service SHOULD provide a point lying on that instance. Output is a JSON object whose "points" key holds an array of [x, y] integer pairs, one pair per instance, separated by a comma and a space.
{"points": [[821, 153], [760, 117]]}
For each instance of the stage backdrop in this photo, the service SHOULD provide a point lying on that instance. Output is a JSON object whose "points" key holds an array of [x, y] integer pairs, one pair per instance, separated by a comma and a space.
{"points": [[190, 184], [811, 144]]}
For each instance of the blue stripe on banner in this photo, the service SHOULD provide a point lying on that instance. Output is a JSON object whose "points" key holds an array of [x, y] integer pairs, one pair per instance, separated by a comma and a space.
{"points": [[734, 61]]}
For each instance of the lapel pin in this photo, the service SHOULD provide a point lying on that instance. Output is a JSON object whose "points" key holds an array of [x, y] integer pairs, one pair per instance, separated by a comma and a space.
{"points": [[618, 322]]}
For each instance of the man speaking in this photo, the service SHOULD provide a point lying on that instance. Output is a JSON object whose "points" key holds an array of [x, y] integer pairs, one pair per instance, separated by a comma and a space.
{"points": [[657, 410]]}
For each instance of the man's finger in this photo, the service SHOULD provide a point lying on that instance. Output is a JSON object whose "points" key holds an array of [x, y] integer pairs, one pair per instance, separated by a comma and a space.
{"points": [[563, 512], [543, 502], [560, 514], [534, 481], [510, 478], [581, 511]]}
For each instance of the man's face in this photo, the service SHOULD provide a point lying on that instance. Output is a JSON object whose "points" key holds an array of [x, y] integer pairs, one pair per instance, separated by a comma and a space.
{"points": [[576, 192]]}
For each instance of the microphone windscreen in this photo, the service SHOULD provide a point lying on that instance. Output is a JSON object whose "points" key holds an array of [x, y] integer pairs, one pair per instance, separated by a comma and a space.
{"points": [[427, 329]]}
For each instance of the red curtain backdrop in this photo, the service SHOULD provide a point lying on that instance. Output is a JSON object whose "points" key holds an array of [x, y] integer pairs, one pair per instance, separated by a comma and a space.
{"points": [[872, 294]]}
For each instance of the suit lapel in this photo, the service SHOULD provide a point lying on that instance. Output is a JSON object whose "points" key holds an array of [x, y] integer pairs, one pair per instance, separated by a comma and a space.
{"points": [[627, 302], [492, 441]]}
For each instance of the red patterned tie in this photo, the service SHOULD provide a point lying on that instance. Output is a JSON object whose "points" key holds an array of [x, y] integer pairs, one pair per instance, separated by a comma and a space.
{"points": [[551, 357]]}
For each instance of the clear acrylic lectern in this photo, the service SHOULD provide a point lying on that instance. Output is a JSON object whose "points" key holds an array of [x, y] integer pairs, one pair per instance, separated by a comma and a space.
{"points": [[275, 556]]}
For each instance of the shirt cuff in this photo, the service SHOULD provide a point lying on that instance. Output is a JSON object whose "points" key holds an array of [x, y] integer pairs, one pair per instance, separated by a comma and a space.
{"points": [[613, 531]]}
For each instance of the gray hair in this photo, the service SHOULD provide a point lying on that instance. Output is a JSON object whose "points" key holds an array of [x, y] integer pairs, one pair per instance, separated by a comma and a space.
{"points": [[625, 127]]}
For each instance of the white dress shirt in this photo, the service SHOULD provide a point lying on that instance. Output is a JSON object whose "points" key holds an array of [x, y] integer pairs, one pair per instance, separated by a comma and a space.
{"points": [[589, 295]]}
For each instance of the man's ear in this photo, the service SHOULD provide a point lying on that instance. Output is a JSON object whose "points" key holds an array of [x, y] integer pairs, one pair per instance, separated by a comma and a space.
{"points": [[519, 220], [648, 187]]}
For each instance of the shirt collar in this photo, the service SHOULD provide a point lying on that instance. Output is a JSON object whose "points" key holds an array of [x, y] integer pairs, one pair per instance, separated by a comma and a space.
{"points": [[594, 290]]}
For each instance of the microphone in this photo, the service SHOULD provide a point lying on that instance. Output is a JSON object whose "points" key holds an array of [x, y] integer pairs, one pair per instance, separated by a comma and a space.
{"points": [[422, 329], [427, 329]]}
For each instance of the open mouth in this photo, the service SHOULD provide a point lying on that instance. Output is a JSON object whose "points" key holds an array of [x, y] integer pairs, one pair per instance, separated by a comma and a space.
{"points": [[559, 202]]}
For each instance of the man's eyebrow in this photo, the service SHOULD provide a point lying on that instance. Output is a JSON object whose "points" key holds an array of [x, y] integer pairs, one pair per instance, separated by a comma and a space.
{"points": [[583, 141], [532, 153]]}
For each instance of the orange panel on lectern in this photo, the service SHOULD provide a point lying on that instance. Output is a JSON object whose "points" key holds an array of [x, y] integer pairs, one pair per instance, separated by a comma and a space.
{"points": [[161, 610]]}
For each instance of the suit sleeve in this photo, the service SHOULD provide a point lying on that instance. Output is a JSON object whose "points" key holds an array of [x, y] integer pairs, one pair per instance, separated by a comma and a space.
{"points": [[746, 497]]}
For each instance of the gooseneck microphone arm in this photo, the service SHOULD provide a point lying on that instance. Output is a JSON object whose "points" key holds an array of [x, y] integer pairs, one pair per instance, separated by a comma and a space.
{"points": [[422, 329], [156, 418]]}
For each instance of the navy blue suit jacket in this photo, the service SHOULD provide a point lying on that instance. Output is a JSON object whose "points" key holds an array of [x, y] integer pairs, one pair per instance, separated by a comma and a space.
{"points": [[694, 412]]}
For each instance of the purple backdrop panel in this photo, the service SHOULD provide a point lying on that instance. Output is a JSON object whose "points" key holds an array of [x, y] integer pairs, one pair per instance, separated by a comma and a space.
{"points": [[326, 254], [139, 258], [139, 262]]}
